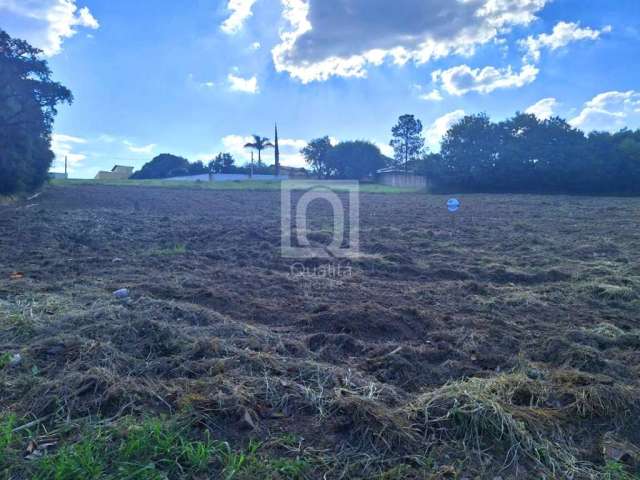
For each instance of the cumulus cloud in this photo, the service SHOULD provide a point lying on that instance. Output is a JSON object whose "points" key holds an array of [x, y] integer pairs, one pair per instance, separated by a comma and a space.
{"points": [[385, 149], [46, 23], [63, 146], [289, 150], [145, 149], [463, 79], [240, 10], [245, 85], [328, 38], [544, 108], [440, 127], [610, 111], [563, 34], [432, 96]]}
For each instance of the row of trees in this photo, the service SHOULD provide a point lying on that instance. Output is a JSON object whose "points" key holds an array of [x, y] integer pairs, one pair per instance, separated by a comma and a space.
{"points": [[519, 154], [361, 159], [167, 165], [526, 154]]}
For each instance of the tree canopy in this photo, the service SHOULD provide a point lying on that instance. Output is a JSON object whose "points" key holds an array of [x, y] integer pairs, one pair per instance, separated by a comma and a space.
{"points": [[316, 153], [164, 165], [526, 154], [28, 106], [407, 142], [223, 163], [356, 160]]}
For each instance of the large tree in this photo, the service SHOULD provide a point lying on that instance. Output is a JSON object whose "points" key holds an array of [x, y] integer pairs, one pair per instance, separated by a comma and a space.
{"points": [[407, 141], [28, 105], [315, 154], [164, 166], [223, 163], [355, 160]]}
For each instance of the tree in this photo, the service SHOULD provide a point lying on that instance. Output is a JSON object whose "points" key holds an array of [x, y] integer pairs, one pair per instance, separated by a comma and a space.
{"points": [[164, 166], [315, 154], [28, 106], [197, 168], [223, 163], [407, 141], [259, 144], [468, 151], [355, 160]]}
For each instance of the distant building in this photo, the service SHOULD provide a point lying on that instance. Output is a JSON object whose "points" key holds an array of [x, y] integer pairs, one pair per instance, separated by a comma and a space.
{"points": [[118, 172], [398, 177], [294, 172], [58, 175]]}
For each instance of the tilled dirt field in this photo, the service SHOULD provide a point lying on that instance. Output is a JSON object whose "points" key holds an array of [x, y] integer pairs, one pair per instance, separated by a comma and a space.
{"points": [[502, 343]]}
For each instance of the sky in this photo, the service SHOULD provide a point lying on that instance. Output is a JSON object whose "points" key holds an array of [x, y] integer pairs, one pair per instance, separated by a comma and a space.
{"points": [[195, 78]]}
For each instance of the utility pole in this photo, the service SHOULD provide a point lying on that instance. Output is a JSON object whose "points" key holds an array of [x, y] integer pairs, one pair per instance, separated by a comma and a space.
{"points": [[251, 171], [277, 153]]}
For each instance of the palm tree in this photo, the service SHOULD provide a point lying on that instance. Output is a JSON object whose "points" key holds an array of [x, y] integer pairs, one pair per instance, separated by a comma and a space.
{"points": [[259, 143]]}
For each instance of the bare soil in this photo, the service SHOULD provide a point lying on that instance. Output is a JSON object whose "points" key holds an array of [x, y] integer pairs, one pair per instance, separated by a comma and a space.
{"points": [[521, 310]]}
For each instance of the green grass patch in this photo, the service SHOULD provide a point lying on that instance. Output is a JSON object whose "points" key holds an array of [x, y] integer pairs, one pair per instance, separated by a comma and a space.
{"points": [[177, 249], [257, 185], [150, 449]]}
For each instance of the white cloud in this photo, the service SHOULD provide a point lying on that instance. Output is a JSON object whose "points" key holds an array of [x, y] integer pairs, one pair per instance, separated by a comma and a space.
{"points": [[433, 96], [440, 127], [563, 34], [463, 79], [240, 10], [63, 146], [245, 85], [256, 46], [289, 150], [329, 38], [146, 149], [46, 23], [385, 149], [543, 109], [610, 111]]}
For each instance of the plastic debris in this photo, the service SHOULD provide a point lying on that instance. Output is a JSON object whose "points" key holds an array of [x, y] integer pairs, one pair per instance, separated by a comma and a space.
{"points": [[122, 293], [15, 360]]}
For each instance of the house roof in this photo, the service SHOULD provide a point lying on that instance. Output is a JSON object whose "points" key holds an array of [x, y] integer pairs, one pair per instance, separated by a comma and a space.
{"points": [[393, 170]]}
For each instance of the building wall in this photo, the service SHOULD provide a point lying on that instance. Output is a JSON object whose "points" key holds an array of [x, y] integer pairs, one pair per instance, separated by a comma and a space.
{"points": [[224, 177], [118, 174], [402, 180]]}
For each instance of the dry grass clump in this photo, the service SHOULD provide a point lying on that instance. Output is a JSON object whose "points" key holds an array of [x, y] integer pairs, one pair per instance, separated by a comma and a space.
{"points": [[372, 425], [609, 292], [506, 414]]}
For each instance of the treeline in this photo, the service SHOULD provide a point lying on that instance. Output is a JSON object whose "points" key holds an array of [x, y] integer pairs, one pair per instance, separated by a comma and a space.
{"points": [[167, 165], [526, 154]]}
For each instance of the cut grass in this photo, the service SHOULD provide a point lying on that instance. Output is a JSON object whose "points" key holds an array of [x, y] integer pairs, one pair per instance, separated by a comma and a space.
{"points": [[177, 249]]}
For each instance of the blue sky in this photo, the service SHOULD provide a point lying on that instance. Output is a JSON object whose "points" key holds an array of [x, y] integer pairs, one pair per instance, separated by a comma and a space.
{"points": [[155, 77]]}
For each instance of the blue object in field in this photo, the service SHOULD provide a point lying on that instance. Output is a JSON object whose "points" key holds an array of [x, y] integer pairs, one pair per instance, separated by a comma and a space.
{"points": [[453, 204]]}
